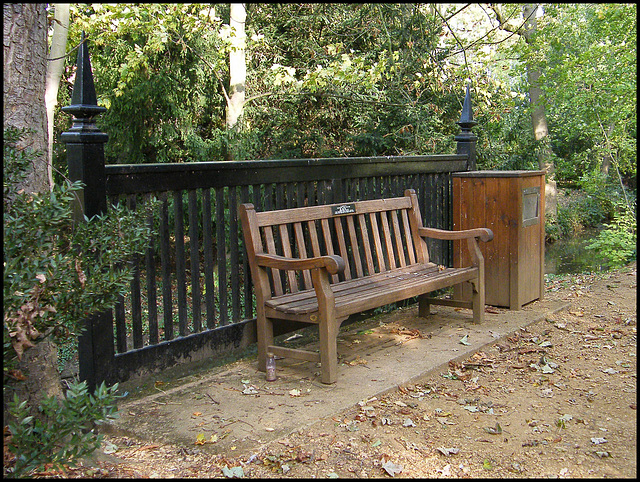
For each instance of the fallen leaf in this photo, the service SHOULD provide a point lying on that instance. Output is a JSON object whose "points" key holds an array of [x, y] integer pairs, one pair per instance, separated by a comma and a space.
{"points": [[546, 369], [448, 450], [110, 448], [357, 361], [16, 375], [233, 472], [408, 423], [148, 447], [392, 469], [444, 421], [497, 430]]}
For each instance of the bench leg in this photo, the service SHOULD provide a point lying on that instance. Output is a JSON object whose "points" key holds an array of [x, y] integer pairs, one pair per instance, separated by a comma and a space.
{"points": [[477, 298], [423, 306], [328, 327], [328, 350], [265, 338]]}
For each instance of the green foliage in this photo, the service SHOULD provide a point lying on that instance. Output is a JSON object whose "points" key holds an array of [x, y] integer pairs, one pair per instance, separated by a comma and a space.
{"points": [[77, 268], [323, 80], [62, 432], [158, 70], [618, 242], [589, 62], [331, 87]]}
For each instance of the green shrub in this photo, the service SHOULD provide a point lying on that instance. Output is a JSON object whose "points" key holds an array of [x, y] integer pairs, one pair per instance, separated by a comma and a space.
{"points": [[64, 430], [77, 269], [618, 241], [57, 272]]}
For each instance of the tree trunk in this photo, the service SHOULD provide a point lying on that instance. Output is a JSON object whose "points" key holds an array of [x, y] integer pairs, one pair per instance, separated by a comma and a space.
{"points": [[25, 67], [237, 68], [55, 67], [606, 160], [25, 54], [539, 117]]}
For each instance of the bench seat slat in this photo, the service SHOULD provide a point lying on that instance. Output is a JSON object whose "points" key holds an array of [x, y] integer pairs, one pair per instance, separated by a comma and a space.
{"points": [[350, 284], [355, 296]]}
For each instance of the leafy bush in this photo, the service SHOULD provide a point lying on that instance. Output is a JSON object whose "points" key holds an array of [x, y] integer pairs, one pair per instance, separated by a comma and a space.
{"points": [[619, 240], [77, 268], [57, 272], [64, 431]]}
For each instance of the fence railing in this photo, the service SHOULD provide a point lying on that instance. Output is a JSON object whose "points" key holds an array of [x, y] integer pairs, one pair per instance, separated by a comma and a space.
{"points": [[191, 296]]}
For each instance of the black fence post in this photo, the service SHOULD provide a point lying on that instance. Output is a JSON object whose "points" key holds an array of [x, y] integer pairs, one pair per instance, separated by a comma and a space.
{"points": [[85, 159], [466, 140]]}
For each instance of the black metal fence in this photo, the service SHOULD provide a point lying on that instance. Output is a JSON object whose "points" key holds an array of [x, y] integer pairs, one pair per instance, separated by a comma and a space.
{"points": [[191, 297]]}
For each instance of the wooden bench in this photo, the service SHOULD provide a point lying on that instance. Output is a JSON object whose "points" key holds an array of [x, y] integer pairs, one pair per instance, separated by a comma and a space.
{"points": [[320, 264]]}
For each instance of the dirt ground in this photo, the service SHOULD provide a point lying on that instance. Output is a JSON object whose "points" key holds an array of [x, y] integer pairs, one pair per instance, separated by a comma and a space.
{"points": [[557, 399]]}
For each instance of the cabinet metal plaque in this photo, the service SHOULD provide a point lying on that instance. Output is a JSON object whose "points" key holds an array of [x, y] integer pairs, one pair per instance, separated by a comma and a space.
{"points": [[530, 206]]}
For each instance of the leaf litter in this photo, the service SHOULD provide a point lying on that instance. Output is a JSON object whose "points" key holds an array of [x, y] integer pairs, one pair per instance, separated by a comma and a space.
{"points": [[527, 430]]}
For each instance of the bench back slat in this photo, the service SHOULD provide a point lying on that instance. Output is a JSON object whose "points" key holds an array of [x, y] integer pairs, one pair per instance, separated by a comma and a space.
{"points": [[271, 249], [388, 240], [286, 249], [371, 236]]}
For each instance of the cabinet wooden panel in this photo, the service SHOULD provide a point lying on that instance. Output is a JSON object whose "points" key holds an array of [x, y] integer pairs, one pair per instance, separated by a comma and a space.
{"points": [[511, 203]]}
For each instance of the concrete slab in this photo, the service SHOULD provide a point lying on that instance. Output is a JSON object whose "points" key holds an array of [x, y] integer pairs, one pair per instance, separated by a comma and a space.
{"points": [[235, 410]]}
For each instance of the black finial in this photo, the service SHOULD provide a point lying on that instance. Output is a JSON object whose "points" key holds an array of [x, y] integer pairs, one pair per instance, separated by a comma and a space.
{"points": [[84, 102], [466, 118], [466, 139]]}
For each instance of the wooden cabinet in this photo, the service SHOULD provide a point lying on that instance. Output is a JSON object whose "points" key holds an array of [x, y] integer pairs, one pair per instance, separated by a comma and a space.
{"points": [[511, 204]]}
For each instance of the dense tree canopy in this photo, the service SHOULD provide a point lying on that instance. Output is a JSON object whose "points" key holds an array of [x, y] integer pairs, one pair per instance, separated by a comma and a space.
{"points": [[367, 79]]}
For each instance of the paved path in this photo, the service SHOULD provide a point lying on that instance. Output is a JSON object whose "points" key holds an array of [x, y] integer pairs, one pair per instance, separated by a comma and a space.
{"points": [[234, 406]]}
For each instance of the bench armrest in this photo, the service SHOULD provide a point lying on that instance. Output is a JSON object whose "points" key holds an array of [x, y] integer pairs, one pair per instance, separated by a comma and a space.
{"points": [[484, 234], [332, 263]]}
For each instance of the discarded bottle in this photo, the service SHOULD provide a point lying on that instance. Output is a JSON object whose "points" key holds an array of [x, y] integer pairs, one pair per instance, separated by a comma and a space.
{"points": [[271, 367]]}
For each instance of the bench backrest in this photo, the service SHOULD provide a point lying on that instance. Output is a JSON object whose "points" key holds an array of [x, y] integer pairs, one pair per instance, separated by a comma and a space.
{"points": [[371, 236]]}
